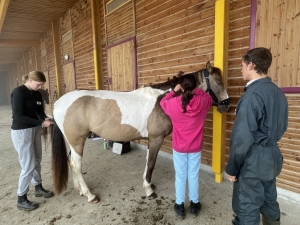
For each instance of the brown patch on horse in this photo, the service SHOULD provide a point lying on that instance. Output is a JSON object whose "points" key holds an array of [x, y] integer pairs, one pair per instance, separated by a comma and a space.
{"points": [[159, 126], [158, 116], [88, 113]]}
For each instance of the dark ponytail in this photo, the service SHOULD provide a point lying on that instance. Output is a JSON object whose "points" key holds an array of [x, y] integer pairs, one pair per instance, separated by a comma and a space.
{"points": [[188, 84]]}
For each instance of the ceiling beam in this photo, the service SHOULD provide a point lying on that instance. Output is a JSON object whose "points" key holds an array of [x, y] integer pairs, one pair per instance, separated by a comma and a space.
{"points": [[18, 43], [3, 9]]}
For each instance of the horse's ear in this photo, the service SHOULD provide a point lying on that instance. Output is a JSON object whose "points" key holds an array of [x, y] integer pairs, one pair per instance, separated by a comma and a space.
{"points": [[208, 66]]}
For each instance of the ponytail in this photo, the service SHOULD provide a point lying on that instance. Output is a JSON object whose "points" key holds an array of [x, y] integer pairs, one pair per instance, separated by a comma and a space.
{"points": [[188, 83], [187, 95]]}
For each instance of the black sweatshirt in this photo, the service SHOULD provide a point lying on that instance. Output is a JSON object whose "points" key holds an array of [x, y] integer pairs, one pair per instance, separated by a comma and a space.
{"points": [[27, 108]]}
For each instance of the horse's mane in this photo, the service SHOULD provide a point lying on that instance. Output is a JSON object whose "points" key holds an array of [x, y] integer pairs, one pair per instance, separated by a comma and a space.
{"points": [[170, 83]]}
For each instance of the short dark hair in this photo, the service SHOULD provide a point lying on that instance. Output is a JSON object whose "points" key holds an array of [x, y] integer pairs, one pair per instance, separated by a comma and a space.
{"points": [[260, 57]]}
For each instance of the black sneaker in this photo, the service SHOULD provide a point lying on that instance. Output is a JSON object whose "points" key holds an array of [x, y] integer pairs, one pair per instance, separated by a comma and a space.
{"points": [[179, 209], [195, 208]]}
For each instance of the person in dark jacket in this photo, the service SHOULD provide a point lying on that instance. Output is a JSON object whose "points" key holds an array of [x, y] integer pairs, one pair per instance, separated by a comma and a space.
{"points": [[255, 158], [28, 118]]}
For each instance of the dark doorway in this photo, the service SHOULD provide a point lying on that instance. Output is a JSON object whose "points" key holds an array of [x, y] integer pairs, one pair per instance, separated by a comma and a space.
{"points": [[3, 89]]}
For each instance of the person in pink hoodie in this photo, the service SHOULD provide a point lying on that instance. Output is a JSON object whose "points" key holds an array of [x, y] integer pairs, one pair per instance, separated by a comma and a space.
{"points": [[187, 113]]}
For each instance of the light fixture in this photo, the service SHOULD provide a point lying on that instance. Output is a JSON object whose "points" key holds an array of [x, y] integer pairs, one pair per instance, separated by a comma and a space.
{"points": [[66, 56]]}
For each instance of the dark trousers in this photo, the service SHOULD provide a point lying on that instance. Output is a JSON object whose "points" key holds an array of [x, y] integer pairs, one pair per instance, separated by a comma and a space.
{"points": [[252, 197]]}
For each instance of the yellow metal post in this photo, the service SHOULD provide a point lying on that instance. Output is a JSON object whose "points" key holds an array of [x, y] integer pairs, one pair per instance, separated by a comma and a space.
{"points": [[220, 51]]}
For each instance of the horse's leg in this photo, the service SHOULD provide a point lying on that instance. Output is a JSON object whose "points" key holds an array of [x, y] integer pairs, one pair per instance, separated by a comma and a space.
{"points": [[154, 146], [76, 166]]}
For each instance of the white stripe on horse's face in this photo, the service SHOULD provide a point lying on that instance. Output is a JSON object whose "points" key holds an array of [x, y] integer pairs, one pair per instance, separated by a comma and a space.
{"points": [[135, 106]]}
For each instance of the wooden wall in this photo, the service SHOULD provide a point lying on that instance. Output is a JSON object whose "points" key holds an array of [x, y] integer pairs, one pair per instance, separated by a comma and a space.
{"points": [[81, 21], [277, 28], [80, 49], [116, 26], [170, 36], [289, 145], [48, 65], [173, 36], [239, 44]]}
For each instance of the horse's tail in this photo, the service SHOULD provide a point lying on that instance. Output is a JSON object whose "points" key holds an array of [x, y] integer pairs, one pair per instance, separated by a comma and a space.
{"points": [[60, 169]]}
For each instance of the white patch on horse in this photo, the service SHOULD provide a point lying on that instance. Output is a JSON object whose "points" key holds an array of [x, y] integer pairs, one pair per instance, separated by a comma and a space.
{"points": [[135, 106]]}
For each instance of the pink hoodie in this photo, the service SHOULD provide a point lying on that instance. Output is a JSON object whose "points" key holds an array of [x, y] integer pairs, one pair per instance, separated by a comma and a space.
{"points": [[187, 133]]}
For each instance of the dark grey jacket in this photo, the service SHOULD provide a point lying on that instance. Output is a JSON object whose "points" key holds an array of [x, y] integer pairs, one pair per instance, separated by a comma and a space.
{"points": [[261, 120]]}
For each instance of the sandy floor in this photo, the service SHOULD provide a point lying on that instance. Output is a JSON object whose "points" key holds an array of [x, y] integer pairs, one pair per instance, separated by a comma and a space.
{"points": [[117, 180]]}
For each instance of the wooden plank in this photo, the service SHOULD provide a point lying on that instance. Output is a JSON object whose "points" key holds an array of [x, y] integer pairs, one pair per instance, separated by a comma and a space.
{"points": [[240, 14], [288, 187], [155, 58], [172, 63], [164, 19], [185, 25], [170, 9], [204, 38], [237, 5]]}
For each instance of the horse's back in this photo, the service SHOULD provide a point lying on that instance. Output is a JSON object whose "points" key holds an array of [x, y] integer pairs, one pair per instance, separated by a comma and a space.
{"points": [[94, 109]]}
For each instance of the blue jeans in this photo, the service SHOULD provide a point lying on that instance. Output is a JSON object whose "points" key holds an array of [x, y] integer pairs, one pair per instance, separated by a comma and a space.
{"points": [[187, 167]]}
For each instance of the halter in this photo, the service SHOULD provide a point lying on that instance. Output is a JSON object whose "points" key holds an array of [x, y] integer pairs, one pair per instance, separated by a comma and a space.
{"points": [[211, 92]]}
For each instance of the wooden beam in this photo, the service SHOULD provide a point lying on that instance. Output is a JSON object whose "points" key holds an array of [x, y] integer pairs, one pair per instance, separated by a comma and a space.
{"points": [[253, 23], [97, 44], [58, 69], [38, 57], [18, 43], [24, 64], [3, 9]]}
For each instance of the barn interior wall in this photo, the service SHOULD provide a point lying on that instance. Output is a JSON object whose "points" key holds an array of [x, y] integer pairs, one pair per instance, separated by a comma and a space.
{"points": [[49, 67], [239, 44], [171, 35], [174, 36], [280, 20], [81, 21]]}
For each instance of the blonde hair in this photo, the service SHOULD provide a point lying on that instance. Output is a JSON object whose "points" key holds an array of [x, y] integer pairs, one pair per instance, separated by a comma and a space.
{"points": [[37, 76]]}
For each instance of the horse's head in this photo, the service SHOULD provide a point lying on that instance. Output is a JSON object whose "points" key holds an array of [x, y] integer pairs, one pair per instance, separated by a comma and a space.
{"points": [[209, 80]]}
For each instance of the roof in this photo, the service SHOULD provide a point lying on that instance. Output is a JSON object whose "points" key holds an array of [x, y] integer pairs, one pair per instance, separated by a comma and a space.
{"points": [[22, 24]]}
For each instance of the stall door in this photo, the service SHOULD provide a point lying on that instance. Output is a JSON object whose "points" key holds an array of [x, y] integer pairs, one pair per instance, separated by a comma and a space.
{"points": [[69, 77], [121, 66]]}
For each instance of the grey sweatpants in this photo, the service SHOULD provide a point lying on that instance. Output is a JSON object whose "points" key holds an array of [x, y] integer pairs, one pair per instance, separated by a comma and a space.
{"points": [[28, 144]]}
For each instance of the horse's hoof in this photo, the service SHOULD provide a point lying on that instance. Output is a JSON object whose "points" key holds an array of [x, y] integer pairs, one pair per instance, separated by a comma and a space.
{"points": [[95, 200], [152, 196], [153, 187]]}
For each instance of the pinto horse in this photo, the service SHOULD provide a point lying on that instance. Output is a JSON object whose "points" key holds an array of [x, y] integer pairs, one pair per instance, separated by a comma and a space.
{"points": [[118, 116]]}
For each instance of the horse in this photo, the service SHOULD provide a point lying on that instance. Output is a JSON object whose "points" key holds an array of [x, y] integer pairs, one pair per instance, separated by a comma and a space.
{"points": [[118, 116]]}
